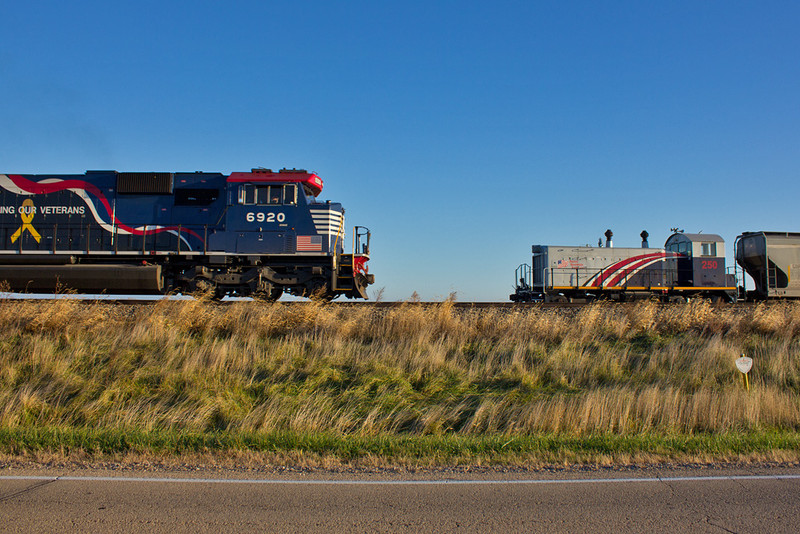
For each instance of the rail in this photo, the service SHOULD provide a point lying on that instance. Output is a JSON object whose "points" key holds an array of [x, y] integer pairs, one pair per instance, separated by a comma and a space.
{"points": [[128, 301]]}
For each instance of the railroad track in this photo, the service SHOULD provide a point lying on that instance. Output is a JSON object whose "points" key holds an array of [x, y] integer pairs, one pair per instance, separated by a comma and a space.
{"points": [[123, 300], [143, 301]]}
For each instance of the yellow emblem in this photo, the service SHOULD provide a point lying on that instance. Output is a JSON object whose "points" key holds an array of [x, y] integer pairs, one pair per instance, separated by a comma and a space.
{"points": [[26, 212]]}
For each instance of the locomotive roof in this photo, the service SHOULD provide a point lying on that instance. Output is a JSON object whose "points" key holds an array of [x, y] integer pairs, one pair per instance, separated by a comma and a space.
{"points": [[768, 233], [301, 176], [696, 238]]}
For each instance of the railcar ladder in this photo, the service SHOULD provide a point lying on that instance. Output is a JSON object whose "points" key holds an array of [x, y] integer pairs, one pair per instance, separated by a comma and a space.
{"points": [[772, 277], [345, 278]]}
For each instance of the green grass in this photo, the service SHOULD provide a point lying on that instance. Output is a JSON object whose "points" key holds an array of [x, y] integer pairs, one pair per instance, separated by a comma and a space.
{"points": [[448, 449]]}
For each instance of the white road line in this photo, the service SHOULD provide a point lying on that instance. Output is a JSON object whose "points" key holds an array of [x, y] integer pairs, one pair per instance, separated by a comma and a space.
{"points": [[399, 482]]}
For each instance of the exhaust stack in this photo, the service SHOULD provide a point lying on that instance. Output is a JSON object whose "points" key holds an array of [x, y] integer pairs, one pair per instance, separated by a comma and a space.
{"points": [[609, 234], [644, 236]]}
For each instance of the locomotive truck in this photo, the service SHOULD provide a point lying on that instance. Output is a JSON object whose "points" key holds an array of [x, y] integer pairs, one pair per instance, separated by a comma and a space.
{"points": [[257, 233]]}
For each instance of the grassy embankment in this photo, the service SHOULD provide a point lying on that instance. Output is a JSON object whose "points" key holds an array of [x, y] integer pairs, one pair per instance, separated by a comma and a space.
{"points": [[256, 383]]}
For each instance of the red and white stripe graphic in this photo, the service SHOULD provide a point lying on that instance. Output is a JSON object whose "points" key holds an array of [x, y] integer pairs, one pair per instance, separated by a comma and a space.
{"points": [[623, 270], [22, 186]]}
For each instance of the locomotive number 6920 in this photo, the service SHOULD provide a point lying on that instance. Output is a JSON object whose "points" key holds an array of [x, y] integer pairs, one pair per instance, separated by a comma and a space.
{"points": [[265, 217]]}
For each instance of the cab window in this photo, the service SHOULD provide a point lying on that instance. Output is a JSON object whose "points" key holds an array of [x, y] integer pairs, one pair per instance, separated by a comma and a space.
{"points": [[247, 194], [310, 198], [289, 194], [709, 249], [263, 195], [270, 194]]}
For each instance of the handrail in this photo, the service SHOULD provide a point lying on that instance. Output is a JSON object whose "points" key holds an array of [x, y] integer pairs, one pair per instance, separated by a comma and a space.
{"points": [[577, 277], [338, 231], [106, 241]]}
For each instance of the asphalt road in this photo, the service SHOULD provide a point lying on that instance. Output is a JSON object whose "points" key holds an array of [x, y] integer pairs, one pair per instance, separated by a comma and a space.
{"points": [[759, 499]]}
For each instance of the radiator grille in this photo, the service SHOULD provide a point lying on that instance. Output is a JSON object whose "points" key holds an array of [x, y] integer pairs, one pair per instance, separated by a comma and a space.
{"points": [[144, 183]]}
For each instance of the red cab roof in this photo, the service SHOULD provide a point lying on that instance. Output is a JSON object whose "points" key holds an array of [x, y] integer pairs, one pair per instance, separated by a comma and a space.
{"points": [[301, 176]]}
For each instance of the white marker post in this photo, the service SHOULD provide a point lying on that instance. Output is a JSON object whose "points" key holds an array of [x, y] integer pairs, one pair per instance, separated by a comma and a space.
{"points": [[744, 364]]}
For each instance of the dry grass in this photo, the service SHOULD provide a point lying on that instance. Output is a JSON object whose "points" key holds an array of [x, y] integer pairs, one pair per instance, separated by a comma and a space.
{"points": [[410, 370]]}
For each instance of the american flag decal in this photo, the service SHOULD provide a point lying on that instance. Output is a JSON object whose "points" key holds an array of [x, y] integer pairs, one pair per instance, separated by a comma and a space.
{"points": [[309, 243]]}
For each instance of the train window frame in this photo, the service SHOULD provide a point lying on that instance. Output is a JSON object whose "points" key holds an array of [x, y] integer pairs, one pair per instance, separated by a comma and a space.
{"points": [[310, 197], [247, 194], [708, 249], [269, 195], [290, 194], [262, 195], [275, 194]]}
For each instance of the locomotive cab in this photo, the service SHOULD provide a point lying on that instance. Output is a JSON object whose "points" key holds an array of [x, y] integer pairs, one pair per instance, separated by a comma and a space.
{"points": [[275, 218], [274, 213], [700, 262]]}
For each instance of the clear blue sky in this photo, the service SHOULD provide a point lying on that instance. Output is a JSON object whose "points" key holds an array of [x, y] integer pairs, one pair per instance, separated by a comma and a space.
{"points": [[460, 132]]}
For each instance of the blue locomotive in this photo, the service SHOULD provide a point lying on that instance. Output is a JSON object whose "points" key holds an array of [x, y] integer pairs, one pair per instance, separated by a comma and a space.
{"points": [[257, 233]]}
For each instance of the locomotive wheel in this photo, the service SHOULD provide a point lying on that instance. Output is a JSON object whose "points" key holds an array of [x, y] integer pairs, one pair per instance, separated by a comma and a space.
{"points": [[718, 299], [205, 290], [269, 296], [275, 293], [317, 289], [322, 296]]}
